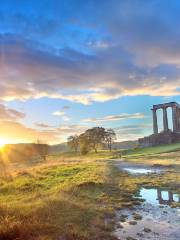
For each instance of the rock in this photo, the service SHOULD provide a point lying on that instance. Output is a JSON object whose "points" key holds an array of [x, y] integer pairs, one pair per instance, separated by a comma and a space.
{"points": [[130, 238], [132, 222], [137, 216], [140, 234], [119, 225], [147, 230], [123, 218]]}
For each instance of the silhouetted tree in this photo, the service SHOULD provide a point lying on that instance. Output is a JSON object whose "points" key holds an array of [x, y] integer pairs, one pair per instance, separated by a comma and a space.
{"points": [[84, 144], [42, 149], [110, 136], [95, 137], [73, 142]]}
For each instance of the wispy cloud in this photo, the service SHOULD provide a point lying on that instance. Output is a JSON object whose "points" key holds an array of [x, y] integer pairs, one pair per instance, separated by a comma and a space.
{"points": [[132, 131], [10, 114], [58, 113], [16, 132], [66, 118], [110, 118], [66, 107], [42, 125]]}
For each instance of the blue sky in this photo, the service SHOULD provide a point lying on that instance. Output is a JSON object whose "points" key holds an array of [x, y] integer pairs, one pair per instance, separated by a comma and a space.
{"points": [[73, 64]]}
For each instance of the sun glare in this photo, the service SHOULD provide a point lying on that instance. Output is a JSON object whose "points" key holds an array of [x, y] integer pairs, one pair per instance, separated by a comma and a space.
{"points": [[2, 143]]}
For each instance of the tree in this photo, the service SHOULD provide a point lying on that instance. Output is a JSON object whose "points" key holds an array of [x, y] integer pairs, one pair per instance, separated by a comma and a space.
{"points": [[110, 136], [73, 142], [42, 149], [84, 143], [95, 137]]}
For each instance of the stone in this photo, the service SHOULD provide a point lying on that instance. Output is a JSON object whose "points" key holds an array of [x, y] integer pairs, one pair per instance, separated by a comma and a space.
{"points": [[147, 230], [167, 136]]}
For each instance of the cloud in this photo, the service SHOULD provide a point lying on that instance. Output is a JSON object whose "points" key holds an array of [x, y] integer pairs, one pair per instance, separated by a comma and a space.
{"points": [[14, 132], [65, 118], [10, 114], [59, 113], [70, 129], [62, 114], [103, 52], [66, 107], [78, 77], [42, 125], [132, 132], [119, 117]]}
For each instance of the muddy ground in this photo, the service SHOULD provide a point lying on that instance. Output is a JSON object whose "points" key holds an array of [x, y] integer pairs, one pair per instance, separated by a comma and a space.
{"points": [[158, 217]]}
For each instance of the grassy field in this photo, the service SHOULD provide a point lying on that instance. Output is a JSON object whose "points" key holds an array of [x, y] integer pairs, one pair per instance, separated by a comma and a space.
{"points": [[165, 155], [73, 200], [74, 197], [152, 150]]}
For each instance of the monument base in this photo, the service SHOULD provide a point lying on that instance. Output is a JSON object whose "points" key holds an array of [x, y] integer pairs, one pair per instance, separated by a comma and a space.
{"points": [[160, 139]]}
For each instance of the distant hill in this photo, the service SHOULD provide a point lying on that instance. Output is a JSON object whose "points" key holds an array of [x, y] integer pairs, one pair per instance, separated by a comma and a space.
{"points": [[20, 151], [125, 144], [62, 147], [27, 151]]}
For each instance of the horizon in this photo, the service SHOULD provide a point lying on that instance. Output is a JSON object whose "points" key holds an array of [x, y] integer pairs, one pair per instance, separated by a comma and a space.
{"points": [[67, 66]]}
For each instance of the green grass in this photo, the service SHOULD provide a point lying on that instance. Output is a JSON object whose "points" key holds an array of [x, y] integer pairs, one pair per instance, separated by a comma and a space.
{"points": [[71, 201], [152, 150], [68, 156], [75, 197]]}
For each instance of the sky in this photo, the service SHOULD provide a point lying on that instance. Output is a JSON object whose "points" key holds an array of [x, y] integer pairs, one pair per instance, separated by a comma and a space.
{"points": [[69, 65]]}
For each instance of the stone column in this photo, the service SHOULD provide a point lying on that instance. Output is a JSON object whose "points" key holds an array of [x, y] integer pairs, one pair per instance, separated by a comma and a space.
{"points": [[165, 119], [155, 125], [178, 119], [174, 118]]}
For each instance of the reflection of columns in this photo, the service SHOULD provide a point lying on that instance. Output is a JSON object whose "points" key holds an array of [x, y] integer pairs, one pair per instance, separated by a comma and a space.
{"points": [[159, 195], [165, 119], [174, 118], [170, 194], [155, 125]]}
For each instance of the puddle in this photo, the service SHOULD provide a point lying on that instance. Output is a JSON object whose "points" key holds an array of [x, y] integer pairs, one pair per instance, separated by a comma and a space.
{"points": [[156, 196], [156, 219], [138, 170]]}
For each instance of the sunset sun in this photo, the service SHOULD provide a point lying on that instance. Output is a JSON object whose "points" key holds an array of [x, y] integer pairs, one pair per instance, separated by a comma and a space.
{"points": [[2, 143]]}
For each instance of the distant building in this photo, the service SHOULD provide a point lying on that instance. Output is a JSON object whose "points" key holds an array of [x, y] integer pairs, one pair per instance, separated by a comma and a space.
{"points": [[167, 136]]}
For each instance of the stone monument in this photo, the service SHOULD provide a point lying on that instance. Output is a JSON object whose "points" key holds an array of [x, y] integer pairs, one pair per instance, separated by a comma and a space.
{"points": [[167, 136]]}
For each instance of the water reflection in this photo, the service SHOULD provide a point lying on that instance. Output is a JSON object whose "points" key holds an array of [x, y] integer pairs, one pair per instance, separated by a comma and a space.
{"points": [[157, 196], [138, 170], [171, 197]]}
